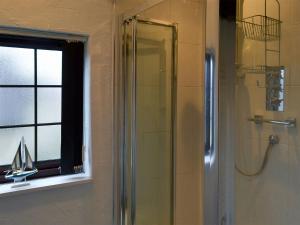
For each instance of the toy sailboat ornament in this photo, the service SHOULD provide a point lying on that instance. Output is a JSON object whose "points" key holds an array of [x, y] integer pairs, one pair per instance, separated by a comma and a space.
{"points": [[22, 165]]}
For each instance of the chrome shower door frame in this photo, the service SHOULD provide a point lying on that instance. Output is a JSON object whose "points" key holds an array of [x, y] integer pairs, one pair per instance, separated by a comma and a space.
{"points": [[123, 210]]}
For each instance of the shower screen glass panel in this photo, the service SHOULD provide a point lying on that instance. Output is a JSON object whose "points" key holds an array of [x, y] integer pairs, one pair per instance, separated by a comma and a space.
{"points": [[149, 61]]}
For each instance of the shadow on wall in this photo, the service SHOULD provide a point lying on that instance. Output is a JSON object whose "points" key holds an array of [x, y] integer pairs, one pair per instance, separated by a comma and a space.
{"points": [[191, 128], [189, 160], [244, 131]]}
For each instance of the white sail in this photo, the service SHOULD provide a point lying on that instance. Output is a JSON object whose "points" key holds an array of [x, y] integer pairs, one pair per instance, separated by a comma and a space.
{"points": [[17, 162], [22, 159], [22, 165], [28, 160]]}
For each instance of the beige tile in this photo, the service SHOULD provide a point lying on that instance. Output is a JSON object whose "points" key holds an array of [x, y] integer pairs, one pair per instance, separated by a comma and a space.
{"points": [[188, 161], [295, 17], [256, 196], [253, 53], [244, 101], [292, 103], [291, 55], [188, 156], [190, 64], [161, 11], [254, 7], [293, 185], [188, 193], [253, 80], [126, 6], [244, 204], [190, 18], [285, 9]]}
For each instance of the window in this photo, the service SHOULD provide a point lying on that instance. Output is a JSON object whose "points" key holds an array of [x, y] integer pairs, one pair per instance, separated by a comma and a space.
{"points": [[41, 98]]}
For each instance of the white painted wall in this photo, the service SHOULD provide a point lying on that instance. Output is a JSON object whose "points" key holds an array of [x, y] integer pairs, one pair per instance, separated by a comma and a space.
{"points": [[86, 204]]}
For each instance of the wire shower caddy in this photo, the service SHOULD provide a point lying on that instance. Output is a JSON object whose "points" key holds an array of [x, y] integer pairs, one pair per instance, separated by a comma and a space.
{"points": [[263, 28]]}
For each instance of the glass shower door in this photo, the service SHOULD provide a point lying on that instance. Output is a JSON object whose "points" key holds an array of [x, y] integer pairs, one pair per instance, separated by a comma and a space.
{"points": [[149, 50]]}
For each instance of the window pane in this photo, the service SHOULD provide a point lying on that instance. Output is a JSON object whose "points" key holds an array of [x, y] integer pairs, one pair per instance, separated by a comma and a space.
{"points": [[49, 142], [17, 106], [49, 105], [49, 67], [16, 66], [10, 140]]}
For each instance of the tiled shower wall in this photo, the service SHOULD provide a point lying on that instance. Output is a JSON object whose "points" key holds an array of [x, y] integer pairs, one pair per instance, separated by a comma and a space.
{"points": [[273, 197], [189, 152], [190, 17]]}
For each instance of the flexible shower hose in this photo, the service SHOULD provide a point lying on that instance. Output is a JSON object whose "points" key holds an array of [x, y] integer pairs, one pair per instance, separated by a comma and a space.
{"points": [[264, 162]]}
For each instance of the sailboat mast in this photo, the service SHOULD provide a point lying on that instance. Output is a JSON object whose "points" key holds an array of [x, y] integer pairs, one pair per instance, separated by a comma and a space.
{"points": [[23, 160]]}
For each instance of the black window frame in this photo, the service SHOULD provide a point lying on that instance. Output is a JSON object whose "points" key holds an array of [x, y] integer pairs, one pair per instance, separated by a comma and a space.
{"points": [[72, 103]]}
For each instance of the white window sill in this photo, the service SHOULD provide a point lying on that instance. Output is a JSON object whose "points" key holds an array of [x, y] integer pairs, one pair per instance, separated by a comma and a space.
{"points": [[43, 184]]}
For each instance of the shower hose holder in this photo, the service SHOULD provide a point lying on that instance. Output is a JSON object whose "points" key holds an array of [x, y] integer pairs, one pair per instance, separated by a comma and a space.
{"points": [[258, 119]]}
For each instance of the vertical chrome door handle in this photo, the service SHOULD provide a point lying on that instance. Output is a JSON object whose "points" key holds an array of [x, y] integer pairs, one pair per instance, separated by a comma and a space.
{"points": [[209, 105]]}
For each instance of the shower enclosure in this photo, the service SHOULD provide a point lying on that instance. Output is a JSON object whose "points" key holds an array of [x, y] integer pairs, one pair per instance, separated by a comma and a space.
{"points": [[147, 156], [238, 122], [252, 142], [159, 112]]}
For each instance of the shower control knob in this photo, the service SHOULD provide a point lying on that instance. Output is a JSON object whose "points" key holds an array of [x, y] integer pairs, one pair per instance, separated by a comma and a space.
{"points": [[273, 139]]}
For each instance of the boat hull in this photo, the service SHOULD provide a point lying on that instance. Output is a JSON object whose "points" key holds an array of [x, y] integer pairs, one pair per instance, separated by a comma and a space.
{"points": [[20, 175]]}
